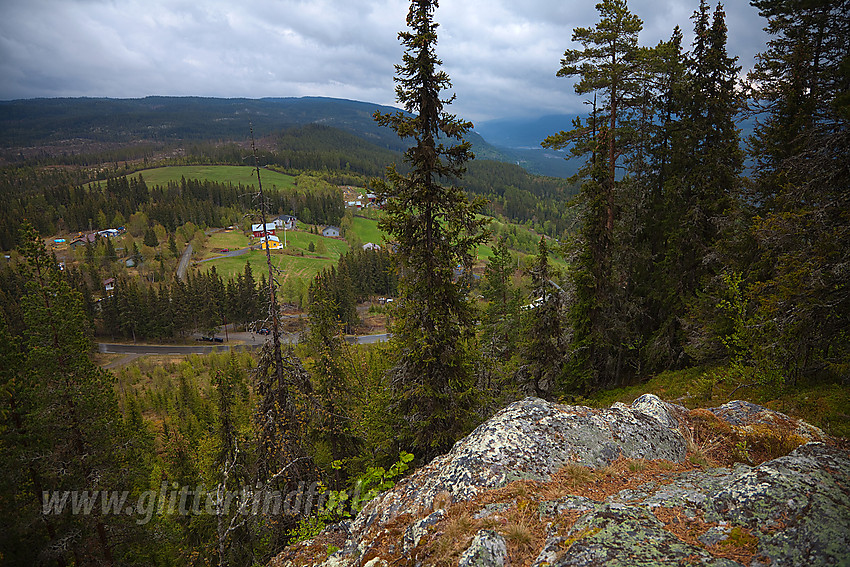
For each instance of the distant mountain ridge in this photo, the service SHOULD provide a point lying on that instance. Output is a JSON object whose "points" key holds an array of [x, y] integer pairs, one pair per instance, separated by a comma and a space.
{"points": [[51, 121], [38, 121], [524, 133]]}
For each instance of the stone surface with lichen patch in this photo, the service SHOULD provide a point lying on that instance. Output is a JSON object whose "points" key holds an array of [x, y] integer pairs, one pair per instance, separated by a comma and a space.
{"points": [[621, 535], [744, 414], [531, 438], [795, 509], [488, 549]]}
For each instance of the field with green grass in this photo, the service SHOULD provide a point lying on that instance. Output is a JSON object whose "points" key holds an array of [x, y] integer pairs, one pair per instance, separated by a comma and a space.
{"points": [[368, 231], [291, 266], [296, 261], [299, 241], [218, 173], [230, 239]]}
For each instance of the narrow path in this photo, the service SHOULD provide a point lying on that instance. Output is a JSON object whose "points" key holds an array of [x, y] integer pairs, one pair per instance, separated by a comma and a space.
{"points": [[183, 265]]}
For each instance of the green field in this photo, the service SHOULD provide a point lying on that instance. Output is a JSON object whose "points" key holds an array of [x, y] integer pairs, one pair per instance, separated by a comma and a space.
{"points": [[230, 239], [302, 268], [296, 261], [367, 230], [299, 241], [219, 173]]}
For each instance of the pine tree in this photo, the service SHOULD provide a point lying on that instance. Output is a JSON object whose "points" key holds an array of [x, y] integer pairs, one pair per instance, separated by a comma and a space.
{"points": [[609, 65], [435, 229]]}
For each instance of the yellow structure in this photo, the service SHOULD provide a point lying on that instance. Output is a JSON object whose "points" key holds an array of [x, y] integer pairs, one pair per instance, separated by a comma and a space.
{"points": [[273, 245]]}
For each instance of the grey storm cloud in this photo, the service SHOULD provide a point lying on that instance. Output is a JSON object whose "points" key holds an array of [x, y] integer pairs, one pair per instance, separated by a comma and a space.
{"points": [[502, 55]]}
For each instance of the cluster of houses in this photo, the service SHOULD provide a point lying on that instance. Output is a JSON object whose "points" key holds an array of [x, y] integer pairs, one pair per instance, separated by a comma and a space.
{"points": [[268, 233], [283, 222], [354, 200], [91, 237], [369, 200]]}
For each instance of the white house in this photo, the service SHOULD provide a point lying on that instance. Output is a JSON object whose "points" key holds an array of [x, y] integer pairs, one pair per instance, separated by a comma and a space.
{"points": [[371, 246], [286, 222], [330, 231]]}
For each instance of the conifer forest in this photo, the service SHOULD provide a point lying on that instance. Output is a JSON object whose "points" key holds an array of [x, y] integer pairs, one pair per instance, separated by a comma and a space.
{"points": [[701, 250]]}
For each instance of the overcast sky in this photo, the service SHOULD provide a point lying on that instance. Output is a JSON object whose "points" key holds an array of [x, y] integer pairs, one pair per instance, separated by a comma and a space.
{"points": [[502, 55]]}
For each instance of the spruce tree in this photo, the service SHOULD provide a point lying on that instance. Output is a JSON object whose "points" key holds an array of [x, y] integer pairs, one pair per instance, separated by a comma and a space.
{"points": [[331, 421], [501, 315], [701, 183], [544, 330], [150, 238], [435, 229], [63, 412], [800, 300]]}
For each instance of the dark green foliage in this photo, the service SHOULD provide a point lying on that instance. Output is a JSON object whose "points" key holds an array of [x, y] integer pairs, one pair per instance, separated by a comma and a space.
{"points": [[650, 237], [500, 320], [544, 329], [435, 229], [799, 297], [331, 425], [358, 275], [64, 430], [699, 184], [172, 246], [202, 303], [150, 238]]}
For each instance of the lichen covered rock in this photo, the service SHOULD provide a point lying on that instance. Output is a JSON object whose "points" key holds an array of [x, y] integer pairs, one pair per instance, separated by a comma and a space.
{"points": [[488, 549], [794, 510], [747, 415], [617, 534], [639, 500], [530, 439]]}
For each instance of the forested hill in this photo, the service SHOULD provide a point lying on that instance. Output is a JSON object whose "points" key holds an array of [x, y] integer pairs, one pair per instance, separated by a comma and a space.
{"points": [[46, 121], [58, 121]]}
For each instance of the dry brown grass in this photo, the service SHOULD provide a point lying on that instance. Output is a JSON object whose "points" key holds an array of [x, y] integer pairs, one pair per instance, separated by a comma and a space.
{"points": [[739, 545], [712, 441]]}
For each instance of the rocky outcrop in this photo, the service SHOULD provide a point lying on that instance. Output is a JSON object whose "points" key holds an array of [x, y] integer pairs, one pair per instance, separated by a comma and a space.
{"points": [[549, 485]]}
